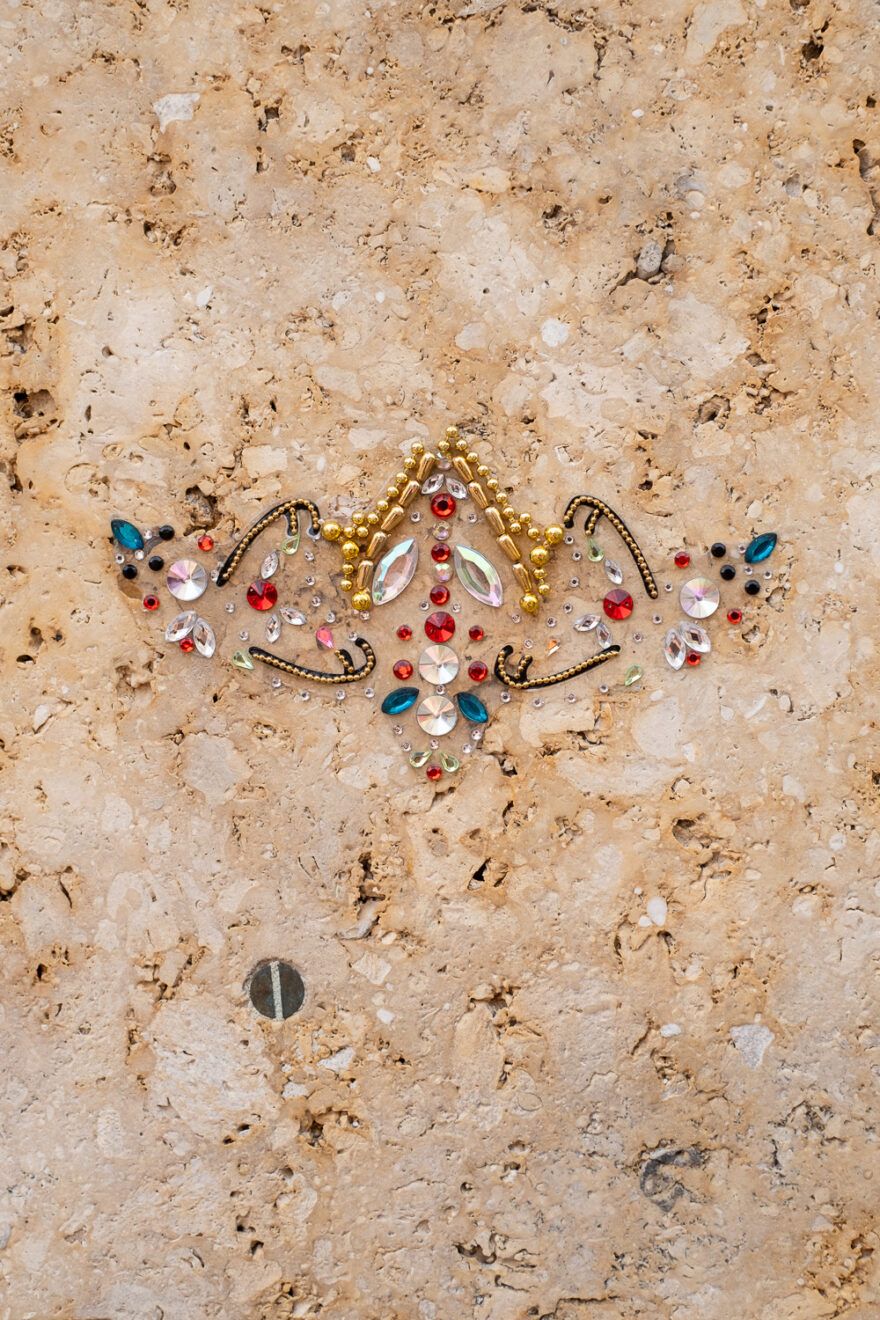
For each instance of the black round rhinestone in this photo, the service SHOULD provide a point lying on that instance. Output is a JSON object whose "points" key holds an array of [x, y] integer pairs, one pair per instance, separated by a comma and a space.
{"points": [[727, 572], [753, 587], [156, 562], [166, 532], [129, 571], [718, 550]]}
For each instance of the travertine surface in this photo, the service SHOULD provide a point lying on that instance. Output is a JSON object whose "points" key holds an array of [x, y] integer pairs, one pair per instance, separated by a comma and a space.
{"points": [[250, 251]]}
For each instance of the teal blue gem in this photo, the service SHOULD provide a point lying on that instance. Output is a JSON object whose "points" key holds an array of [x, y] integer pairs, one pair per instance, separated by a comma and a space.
{"points": [[126, 534], [471, 707], [399, 700], [761, 548]]}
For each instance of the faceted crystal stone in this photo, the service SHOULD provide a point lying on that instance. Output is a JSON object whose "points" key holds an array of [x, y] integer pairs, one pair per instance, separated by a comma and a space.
{"points": [[472, 708], [758, 550], [438, 665], [456, 488], [618, 604], [399, 700], [449, 762], [242, 660], [434, 773], [613, 572], [418, 759], [262, 595], [181, 626], [203, 636], [478, 576], [439, 626], [699, 598], [595, 553], [443, 572], [443, 505], [553, 645], [273, 628], [437, 715], [632, 675], [269, 565], [674, 649], [324, 638], [292, 616], [478, 672], [439, 595], [603, 634], [402, 670], [432, 484], [394, 571], [205, 543], [587, 623], [126, 534], [187, 580], [696, 638], [440, 552], [290, 544]]}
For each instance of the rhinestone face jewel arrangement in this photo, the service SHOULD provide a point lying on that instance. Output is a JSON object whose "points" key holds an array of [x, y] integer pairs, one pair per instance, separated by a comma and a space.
{"points": [[473, 571]]}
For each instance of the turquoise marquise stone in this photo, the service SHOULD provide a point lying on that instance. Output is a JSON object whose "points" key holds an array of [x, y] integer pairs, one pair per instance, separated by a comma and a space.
{"points": [[761, 548], [472, 708], [399, 700], [126, 534]]}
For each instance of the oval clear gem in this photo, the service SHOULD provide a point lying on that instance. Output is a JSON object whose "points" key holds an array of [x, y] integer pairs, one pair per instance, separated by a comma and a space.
{"points": [[603, 634], [587, 623], [697, 638], [181, 626], [675, 649], [203, 636], [432, 484], [269, 565], [395, 571], [456, 488], [478, 576], [273, 628], [613, 572], [292, 616]]}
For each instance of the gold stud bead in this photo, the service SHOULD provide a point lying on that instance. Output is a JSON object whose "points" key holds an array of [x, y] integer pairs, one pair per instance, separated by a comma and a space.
{"points": [[362, 600], [543, 589], [539, 555], [515, 528], [417, 448], [492, 483], [529, 603], [362, 533], [349, 550], [348, 569], [554, 534], [461, 446], [400, 478], [392, 492], [443, 447], [482, 470], [348, 533], [501, 497], [533, 534], [409, 464], [509, 513], [358, 518], [472, 456], [346, 584], [383, 506], [525, 519], [452, 432], [373, 519], [331, 531]]}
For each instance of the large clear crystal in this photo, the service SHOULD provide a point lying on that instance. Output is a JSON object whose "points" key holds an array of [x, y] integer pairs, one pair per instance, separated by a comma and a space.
{"points": [[187, 580], [438, 664], [203, 636], [394, 571], [181, 626], [456, 488], [432, 484], [436, 716], [675, 649], [699, 598], [295, 617], [587, 622], [478, 576], [613, 572], [269, 566], [697, 638]]}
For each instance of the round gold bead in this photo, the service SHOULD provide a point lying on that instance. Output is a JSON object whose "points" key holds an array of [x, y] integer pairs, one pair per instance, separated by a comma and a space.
{"points": [[331, 531], [529, 603], [515, 529], [452, 432], [400, 478], [472, 456], [409, 464], [358, 518], [533, 534], [501, 497], [392, 492], [346, 584], [443, 447], [525, 519], [492, 483], [349, 569], [461, 446], [349, 550], [383, 506], [373, 519], [348, 533], [539, 554], [509, 512], [554, 534], [482, 470], [362, 600], [539, 574], [362, 533], [544, 590], [417, 448]]}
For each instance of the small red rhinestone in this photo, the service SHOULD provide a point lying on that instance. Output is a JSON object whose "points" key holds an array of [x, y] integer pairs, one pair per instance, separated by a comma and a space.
{"points": [[439, 595], [439, 627], [440, 552], [734, 616], [187, 644], [476, 633], [404, 632], [478, 671], [682, 559], [433, 772], [403, 670], [618, 604], [262, 595], [206, 542], [693, 658], [443, 505], [151, 602]]}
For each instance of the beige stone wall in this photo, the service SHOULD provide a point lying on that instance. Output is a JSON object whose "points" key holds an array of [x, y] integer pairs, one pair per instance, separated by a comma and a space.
{"points": [[250, 251]]}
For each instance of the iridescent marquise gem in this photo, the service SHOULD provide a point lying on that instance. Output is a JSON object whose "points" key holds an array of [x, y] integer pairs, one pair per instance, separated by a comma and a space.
{"points": [[399, 700], [699, 598], [758, 550], [478, 576], [674, 649], [438, 664], [187, 580], [126, 534], [394, 571], [472, 708], [436, 716], [696, 638]]}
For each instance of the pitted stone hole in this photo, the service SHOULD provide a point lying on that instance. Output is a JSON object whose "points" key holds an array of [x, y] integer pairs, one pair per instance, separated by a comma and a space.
{"points": [[276, 990]]}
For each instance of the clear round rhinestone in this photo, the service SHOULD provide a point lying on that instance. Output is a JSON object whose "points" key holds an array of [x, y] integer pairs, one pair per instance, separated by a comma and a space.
{"points": [[438, 664], [331, 617], [309, 554], [538, 701], [768, 572], [276, 682], [139, 554], [305, 696], [187, 580], [443, 572], [505, 696], [667, 586], [569, 540], [352, 636], [656, 618], [424, 604], [570, 696], [229, 607], [406, 746], [637, 637], [398, 729], [472, 518], [476, 735], [434, 744], [369, 692], [437, 716], [551, 622], [316, 601], [515, 618], [415, 516], [455, 607], [365, 616], [699, 598], [148, 533], [467, 749], [574, 582], [440, 533], [244, 634], [567, 607], [576, 556], [119, 559], [340, 695], [603, 687], [309, 581], [440, 690], [748, 570]]}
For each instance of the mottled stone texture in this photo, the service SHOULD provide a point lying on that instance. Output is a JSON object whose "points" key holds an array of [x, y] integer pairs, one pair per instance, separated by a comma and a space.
{"points": [[250, 251]]}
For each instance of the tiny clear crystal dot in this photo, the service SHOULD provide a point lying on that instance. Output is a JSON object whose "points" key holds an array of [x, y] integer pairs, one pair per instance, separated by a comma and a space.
{"points": [[569, 540], [667, 586], [576, 556], [138, 554], [472, 518], [276, 682], [537, 702], [369, 692], [230, 608], [309, 556], [505, 696], [406, 746], [657, 618], [398, 729], [567, 608], [574, 582], [340, 695], [455, 607], [244, 634], [306, 696], [569, 696], [603, 687], [514, 618], [551, 623], [415, 517]]}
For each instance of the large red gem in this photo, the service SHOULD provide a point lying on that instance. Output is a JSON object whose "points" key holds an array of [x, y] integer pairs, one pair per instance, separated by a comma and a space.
{"points": [[440, 626], [439, 595], [262, 595], [477, 671], [403, 670], [440, 552], [443, 505], [618, 604]]}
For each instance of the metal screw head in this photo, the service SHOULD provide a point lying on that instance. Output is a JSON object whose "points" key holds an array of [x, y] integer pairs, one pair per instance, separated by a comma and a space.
{"points": [[276, 990]]}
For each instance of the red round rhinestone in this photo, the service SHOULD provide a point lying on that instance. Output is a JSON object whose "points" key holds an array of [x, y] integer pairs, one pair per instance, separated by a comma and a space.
{"points": [[151, 602], [440, 552], [476, 633], [206, 542], [478, 671], [443, 505], [682, 559], [403, 670], [262, 595], [439, 595], [618, 604], [404, 632], [734, 616], [433, 772], [693, 658], [439, 627], [187, 644]]}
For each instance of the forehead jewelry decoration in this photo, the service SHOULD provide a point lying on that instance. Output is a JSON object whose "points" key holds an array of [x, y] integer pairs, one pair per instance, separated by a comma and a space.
{"points": [[476, 528]]}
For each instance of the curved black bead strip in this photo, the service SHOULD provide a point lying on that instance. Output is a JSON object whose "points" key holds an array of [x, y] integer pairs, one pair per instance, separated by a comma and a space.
{"points": [[286, 510], [519, 680], [601, 510], [350, 673]]}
